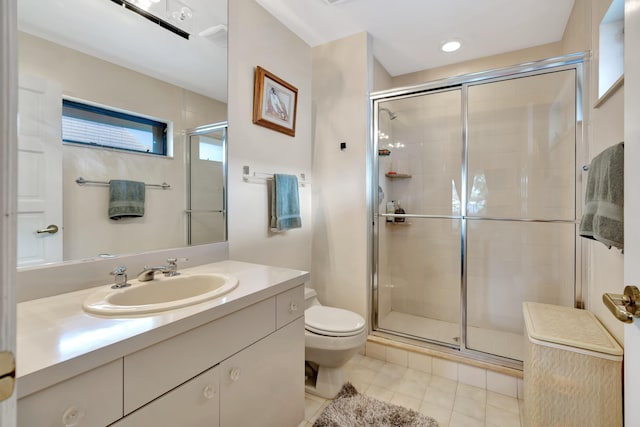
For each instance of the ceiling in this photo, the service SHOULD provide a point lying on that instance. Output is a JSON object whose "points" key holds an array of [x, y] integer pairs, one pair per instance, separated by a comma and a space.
{"points": [[108, 31], [407, 34]]}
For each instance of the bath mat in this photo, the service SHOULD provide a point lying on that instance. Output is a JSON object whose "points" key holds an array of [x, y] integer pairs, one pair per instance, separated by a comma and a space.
{"points": [[352, 409]]}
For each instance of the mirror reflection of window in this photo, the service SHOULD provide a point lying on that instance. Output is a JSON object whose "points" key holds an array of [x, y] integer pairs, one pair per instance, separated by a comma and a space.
{"points": [[210, 151]]}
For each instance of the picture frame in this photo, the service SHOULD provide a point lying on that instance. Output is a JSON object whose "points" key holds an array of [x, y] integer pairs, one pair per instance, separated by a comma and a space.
{"points": [[275, 102]]}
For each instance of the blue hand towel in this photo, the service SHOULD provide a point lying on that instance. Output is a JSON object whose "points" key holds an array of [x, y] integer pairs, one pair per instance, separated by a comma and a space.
{"points": [[603, 215], [126, 199], [285, 203]]}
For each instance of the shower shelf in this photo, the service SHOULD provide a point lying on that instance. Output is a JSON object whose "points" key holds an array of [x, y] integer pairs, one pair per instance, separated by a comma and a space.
{"points": [[397, 175]]}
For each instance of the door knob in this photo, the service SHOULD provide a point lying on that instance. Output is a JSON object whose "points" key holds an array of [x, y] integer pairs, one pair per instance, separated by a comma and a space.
{"points": [[51, 229], [626, 306]]}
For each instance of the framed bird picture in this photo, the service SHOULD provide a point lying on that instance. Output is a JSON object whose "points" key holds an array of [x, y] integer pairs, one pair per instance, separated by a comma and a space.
{"points": [[274, 102]]}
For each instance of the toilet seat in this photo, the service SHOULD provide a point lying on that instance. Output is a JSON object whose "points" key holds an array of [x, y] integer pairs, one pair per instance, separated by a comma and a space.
{"points": [[332, 321]]}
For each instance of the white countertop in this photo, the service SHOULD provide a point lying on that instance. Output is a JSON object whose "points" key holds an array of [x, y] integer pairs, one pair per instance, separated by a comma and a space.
{"points": [[56, 339]]}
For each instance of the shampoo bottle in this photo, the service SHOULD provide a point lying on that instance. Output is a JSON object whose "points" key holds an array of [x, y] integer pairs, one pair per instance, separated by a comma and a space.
{"points": [[391, 208]]}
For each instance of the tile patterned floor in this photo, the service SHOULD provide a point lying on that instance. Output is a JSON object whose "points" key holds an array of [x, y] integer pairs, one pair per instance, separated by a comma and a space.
{"points": [[451, 403]]}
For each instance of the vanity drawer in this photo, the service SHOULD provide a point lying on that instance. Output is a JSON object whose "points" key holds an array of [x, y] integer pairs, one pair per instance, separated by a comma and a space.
{"points": [[289, 306], [93, 398], [161, 367]]}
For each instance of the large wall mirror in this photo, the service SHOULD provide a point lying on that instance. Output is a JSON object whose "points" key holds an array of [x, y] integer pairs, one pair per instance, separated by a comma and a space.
{"points": [[158, 60]]}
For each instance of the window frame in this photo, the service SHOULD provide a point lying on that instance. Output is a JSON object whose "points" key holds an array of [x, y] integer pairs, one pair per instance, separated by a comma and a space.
{"points": [[112, 112]]}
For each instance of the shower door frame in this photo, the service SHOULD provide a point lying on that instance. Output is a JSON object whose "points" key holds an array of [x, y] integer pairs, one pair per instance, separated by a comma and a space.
{"points": [[577, 62], [205, 130]]}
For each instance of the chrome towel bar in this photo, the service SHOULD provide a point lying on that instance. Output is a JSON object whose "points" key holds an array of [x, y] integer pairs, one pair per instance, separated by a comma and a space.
{"points": [[81, 181]]}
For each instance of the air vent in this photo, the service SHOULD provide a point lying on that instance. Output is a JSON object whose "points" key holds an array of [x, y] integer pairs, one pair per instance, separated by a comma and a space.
{"points": [[216, 34]]}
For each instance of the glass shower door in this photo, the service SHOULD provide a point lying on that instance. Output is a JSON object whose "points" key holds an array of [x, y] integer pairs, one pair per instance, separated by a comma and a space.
{"points": [[521, 210], [420, 155], [206, 161]]}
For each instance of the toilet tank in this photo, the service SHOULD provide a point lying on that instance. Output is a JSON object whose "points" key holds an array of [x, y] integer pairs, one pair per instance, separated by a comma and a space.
{"points": [[310, 298]]}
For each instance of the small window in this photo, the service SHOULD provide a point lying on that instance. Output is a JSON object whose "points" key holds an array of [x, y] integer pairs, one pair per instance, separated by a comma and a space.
{"points": [[210, 151], [98, 126]]}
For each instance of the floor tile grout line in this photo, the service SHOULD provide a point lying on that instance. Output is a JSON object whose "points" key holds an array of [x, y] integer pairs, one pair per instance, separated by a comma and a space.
{"points": [[398, 372]]}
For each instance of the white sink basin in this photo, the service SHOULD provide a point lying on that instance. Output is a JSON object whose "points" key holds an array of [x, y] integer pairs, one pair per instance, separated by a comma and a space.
{"points": [[160, 294]]}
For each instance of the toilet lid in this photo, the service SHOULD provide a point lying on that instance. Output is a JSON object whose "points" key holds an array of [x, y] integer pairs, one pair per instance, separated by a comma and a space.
{"points": [[333, 321]]}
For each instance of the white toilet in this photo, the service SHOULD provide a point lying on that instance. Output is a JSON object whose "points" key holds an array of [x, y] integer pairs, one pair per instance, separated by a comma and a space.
{"points": [[332, 337]]}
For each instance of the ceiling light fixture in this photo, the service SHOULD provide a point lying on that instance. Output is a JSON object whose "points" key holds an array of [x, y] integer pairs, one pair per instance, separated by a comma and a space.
{"points": [[183, 14], [451, 46], [129, 5]]}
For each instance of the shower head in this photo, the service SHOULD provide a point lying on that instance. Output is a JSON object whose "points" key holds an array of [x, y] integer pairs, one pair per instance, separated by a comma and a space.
{"points": [[391, 114]]}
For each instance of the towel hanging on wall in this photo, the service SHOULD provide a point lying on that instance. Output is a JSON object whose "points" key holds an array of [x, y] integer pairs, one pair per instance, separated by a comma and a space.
{"points": [[126, 199], [603, 214], [285, 203]]}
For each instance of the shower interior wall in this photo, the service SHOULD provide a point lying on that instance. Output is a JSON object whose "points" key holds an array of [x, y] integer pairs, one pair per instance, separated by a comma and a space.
{"points": [[407, 261]]}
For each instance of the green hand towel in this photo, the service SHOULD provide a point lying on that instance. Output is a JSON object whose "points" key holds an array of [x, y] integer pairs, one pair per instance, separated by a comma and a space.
{"points": [[126, 199], [603, 215], [285, 203]]}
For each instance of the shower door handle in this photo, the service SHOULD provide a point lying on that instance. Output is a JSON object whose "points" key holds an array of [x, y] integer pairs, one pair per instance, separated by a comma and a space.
{"points": [[624, 307]]}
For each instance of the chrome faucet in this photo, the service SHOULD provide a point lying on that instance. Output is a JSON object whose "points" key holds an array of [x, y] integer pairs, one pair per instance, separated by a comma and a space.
{"points": [[120, 274], [169, 270]]}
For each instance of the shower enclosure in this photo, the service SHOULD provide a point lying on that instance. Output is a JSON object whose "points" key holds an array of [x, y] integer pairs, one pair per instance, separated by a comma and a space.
{"points": [[206, 184], [476, 207]]}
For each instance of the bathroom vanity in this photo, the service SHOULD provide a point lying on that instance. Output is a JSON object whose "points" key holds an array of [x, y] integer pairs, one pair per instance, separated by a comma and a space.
{"points": [[233, 361]]}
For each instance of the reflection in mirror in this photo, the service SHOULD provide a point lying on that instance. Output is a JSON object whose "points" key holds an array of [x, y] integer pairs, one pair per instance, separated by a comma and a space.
{"points": [[206, 204], [102, 54]]}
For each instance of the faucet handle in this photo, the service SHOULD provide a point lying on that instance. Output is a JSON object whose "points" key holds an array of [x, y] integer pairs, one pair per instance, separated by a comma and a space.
{"points": [[121, 277], [172, 264], [174, 261], [118, 271]]}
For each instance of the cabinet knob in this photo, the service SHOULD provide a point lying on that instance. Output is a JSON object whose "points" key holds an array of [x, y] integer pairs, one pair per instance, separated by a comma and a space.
{"points": [[72, 416], [293, 307], [234, 374], [209, 391]]}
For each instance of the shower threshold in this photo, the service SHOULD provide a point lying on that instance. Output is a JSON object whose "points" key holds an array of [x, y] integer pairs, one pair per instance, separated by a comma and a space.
{"points": [[497, 343]]}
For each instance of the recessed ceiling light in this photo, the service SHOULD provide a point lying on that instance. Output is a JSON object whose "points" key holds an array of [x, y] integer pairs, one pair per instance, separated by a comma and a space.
{"points": [[451, 46]]}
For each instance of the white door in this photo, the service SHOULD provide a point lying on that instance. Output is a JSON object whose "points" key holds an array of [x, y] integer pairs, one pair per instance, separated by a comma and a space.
{"points": [[632, 203], [8, 42], [39, 171]]}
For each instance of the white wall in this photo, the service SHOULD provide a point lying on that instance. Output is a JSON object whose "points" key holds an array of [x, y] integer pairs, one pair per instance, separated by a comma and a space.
{"points": [[257, 38], [605, 266], [85, 207], [342, 74], [381, 78]]}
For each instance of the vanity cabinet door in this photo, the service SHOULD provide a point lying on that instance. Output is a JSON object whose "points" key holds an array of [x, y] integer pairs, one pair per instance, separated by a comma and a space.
{"points": [[289, 306], [90, 399], [155, 370], [193, 404], [264, 383]]}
